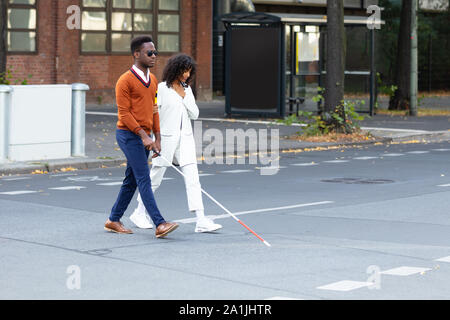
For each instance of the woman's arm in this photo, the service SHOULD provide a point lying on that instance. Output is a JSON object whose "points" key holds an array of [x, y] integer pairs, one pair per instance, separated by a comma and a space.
{"points": [[191, 106]]}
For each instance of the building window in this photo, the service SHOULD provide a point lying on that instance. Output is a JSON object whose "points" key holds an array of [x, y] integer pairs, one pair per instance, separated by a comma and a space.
{"points": [[109, 25], [22, 26]]}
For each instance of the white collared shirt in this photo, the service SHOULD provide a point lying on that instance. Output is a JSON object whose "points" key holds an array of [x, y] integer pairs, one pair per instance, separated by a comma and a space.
{"points": [[144, 77]]}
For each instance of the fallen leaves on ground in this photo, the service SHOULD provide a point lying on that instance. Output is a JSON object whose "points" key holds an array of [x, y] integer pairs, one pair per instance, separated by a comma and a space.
{"points": [[335, 137]]}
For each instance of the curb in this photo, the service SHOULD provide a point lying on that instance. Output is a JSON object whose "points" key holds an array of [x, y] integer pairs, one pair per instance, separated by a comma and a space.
{"points": [[89, 163]]}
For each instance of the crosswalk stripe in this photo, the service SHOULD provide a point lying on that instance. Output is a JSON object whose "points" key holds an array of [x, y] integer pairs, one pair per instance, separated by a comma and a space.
{"points": [[418, 152], [444, 185]]}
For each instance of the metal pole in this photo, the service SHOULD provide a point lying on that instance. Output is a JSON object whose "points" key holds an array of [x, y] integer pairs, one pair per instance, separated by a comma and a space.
{"points": [[372, 72], [413, 103], [4, 121], [78, 119]]}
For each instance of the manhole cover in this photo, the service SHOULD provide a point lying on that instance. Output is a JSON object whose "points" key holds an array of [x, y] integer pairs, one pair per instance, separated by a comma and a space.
{"points": [[358, 181]]}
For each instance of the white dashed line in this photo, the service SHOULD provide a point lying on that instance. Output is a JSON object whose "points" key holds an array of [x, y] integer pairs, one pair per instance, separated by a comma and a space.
{"points": [[444, 259], [15, 179], [345, 285], [117, 183], [336, 161], [237, 171], [404, 271], [418, 152], [68, 188], [15, 193], [444, 185], [282, 298], [305, 164], [393, 154], [441, 150], [205, 174], [365, 158]]}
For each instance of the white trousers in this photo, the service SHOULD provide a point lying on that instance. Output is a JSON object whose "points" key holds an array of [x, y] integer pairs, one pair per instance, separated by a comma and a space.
{"points": [[191, 181]]}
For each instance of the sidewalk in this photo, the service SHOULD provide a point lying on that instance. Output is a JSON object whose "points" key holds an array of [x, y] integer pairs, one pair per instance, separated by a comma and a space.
{"points": [[102, 149]]}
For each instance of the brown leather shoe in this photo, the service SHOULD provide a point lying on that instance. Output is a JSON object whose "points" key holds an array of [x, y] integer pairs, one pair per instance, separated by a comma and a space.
{"points": [[116, 227], [165, 228]]}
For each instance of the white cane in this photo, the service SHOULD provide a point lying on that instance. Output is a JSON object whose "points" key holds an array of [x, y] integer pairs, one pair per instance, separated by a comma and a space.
{"points": [[217, 202]]}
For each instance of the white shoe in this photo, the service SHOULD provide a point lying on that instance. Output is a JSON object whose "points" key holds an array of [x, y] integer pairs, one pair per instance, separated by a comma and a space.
{"points": [[141, 220], [206, 225]]}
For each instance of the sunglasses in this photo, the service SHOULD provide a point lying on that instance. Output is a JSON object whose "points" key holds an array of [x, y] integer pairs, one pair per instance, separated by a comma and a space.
{"points": [[152, 52]]}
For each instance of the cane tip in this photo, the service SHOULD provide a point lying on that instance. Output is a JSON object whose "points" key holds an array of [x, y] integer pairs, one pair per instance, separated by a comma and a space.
{"points": [[267, 244]]}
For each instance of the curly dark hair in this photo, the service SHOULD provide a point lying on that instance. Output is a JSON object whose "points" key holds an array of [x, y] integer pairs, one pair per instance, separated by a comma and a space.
{"points": [[176, 66]]}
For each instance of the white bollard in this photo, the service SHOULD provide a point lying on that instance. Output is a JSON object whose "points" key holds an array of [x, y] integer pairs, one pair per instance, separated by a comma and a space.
{"points": [[5, 98], [78, 135]]}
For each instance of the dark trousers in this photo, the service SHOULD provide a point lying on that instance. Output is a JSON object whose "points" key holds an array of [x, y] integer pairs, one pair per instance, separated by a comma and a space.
{"points": [[137, 174]]}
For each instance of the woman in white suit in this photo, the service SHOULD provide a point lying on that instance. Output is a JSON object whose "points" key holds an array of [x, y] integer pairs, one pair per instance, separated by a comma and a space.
{"points": [[177, 107]]}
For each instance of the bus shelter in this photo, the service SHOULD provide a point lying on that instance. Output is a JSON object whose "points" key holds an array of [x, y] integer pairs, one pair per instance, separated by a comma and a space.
{"points": [[275, 62]]}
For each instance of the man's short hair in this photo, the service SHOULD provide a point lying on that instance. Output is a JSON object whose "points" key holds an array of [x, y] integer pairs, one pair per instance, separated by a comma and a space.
{"points": [[137, 42]]}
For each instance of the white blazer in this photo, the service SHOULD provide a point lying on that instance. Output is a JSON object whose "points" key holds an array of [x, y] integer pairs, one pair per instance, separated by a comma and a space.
{"points": [[175, 115]]}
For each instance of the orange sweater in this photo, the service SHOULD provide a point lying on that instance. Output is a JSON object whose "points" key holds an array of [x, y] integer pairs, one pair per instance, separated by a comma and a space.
{"points": [[136, 103]]}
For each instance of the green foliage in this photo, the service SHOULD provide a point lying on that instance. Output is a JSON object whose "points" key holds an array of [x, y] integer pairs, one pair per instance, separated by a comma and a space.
{"points": [[384, 88], [327, 122], [7, 77]]}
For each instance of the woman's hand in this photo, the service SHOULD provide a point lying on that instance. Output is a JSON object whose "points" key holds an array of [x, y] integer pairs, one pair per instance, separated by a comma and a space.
{"points": [[179, 89]]}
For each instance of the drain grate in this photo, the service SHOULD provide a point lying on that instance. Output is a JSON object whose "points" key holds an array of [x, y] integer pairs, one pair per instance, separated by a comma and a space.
{"points": [[358, 181]]}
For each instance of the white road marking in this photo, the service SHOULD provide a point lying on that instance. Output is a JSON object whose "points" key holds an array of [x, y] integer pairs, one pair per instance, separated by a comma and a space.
{"points": [[444, 259], [441, 150], [336, 161], [114, 114], [222, 216], [68, 188], [117, 183], [365, 158], [15, 193], [444, 185], [393, 155], [205, 174], [64, 175], [282, 298], [14, 179], [237, 171], [345, 285], [304, 164], [418, 152], [404, 271]]}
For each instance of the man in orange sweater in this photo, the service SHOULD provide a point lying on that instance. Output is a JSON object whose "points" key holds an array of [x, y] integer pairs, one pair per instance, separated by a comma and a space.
{"points": [[138, 118]]}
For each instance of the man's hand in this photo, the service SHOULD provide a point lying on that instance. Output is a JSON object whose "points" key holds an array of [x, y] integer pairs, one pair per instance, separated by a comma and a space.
{"points": [[146, 140], [157, 145]]}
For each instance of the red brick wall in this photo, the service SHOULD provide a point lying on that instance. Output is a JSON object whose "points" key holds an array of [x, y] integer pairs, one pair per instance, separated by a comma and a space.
{"points": [[59, 60]]}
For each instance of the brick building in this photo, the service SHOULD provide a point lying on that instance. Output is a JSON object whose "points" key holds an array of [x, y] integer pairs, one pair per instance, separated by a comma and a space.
{"points": [[68, 41]]}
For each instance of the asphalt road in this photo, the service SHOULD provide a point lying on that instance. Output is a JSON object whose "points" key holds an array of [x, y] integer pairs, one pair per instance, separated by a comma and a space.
{"points": [[359, 223]]}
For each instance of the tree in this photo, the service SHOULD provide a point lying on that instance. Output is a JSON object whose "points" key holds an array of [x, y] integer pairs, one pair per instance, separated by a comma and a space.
{"points": [[401, 98], [335, 66], [3, 23]]}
